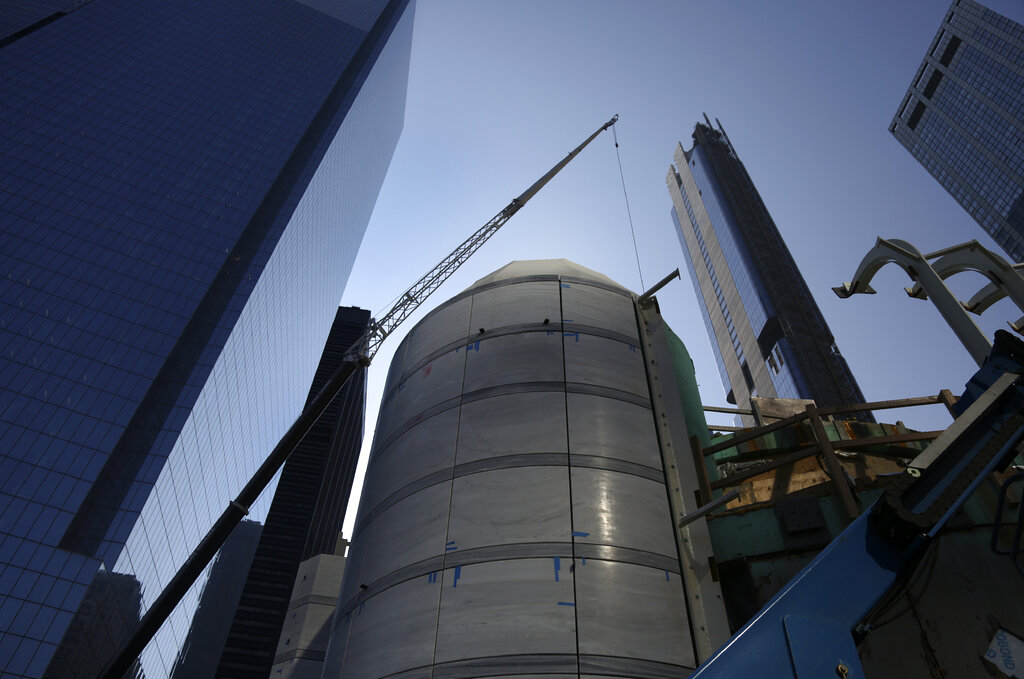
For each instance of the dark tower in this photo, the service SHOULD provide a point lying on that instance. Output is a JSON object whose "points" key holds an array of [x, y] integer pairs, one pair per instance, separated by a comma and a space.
{"points": [[212, 620], [307, 512]]}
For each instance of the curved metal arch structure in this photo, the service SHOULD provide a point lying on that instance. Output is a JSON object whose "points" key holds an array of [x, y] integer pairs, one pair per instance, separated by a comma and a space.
{"points": [[1005, 279], [930, 283]]}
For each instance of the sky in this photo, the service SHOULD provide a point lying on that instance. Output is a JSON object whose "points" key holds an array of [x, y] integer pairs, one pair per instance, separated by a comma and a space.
{"points": [[501, 91]]}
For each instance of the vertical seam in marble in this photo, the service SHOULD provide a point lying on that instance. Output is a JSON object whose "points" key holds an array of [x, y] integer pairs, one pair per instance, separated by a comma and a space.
{"points": [[451, 487], [568, 457]]}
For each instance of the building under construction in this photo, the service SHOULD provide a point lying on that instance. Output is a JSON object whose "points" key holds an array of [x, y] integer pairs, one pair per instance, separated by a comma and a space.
{"points": [[544, 498]]}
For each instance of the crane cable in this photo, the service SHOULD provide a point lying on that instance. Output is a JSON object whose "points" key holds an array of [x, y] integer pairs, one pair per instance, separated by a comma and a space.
{"points": [[629, 214]]}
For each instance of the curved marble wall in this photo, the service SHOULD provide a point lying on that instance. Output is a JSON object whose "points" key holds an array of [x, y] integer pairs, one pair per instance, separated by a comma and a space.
{"points": [[515, 521]]}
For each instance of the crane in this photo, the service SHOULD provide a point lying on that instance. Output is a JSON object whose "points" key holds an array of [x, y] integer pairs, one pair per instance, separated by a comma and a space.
{"points": [[358, 356]]}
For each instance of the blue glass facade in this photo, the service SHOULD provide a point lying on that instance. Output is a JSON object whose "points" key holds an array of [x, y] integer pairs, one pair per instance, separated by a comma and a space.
{"points": [[963, 118], [307, 513], [183, 187], [768, 334]]}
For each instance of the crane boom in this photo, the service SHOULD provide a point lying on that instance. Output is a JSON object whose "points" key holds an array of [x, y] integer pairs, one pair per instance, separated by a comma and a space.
{"points": [[358, 356], [432, 280]]}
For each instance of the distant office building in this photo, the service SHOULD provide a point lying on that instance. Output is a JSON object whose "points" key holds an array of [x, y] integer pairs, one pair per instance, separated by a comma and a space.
{"points": [[184, 188], [769, 336], [113, 597], [963, 118], [307, 513], [201, 651]]}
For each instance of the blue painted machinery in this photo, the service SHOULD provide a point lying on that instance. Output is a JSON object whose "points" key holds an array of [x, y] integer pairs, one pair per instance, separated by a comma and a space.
{"points": [[811, 627]]}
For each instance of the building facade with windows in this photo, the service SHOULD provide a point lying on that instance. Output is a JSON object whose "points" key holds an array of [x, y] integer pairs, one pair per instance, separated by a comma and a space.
{"points": [[769, 337], [211, 621], [184, 188], [963, 118], [307, 513]]}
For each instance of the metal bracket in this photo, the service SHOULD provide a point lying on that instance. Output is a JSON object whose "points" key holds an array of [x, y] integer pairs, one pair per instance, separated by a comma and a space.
{"points": [[821, 648], [704, 510], [645, 299]]}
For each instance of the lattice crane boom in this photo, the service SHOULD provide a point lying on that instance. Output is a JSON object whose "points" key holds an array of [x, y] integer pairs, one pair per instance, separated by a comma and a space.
{"points": [[379, 330]]}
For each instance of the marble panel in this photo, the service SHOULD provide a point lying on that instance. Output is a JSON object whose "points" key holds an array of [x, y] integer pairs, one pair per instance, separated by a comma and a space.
{"points": [[532, 422], [612, 428], [511, 359], [508, 506], [621, 509], [587, 305], [605, 362], [529, 302], [506, 607], [632, 611]]}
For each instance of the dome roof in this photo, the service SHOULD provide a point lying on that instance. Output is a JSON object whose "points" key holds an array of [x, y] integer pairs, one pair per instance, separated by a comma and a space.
{"points": [[546, 267]]}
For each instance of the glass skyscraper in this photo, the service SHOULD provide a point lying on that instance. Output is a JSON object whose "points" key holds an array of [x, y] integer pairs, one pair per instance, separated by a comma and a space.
{"points": [[308, 510], [769, 336], [183, 188], [963, 118]]}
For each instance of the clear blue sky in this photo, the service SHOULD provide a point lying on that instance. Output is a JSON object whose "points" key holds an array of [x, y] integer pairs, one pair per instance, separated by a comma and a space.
{"points": [[499, 92]]}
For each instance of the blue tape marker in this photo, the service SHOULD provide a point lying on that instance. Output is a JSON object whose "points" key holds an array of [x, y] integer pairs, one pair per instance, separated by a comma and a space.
{"points": [[584, 561], [572, 334], [632, 348], [565, 285], [580, 534], [558, 566], [360, 612], [449, 547], [458, 572], [568, 320], [566, 603], [666, 576]]}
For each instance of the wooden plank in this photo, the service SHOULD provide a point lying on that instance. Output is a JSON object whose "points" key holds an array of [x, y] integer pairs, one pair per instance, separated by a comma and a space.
{"points": [[835, 469], [882, 405], [752, 434], [755, 471]]}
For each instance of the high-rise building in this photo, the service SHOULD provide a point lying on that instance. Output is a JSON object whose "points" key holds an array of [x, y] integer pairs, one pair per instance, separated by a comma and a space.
{"points": [[517, 514], [184, 188], [769, 337], [963, 118], [308, 510]]}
